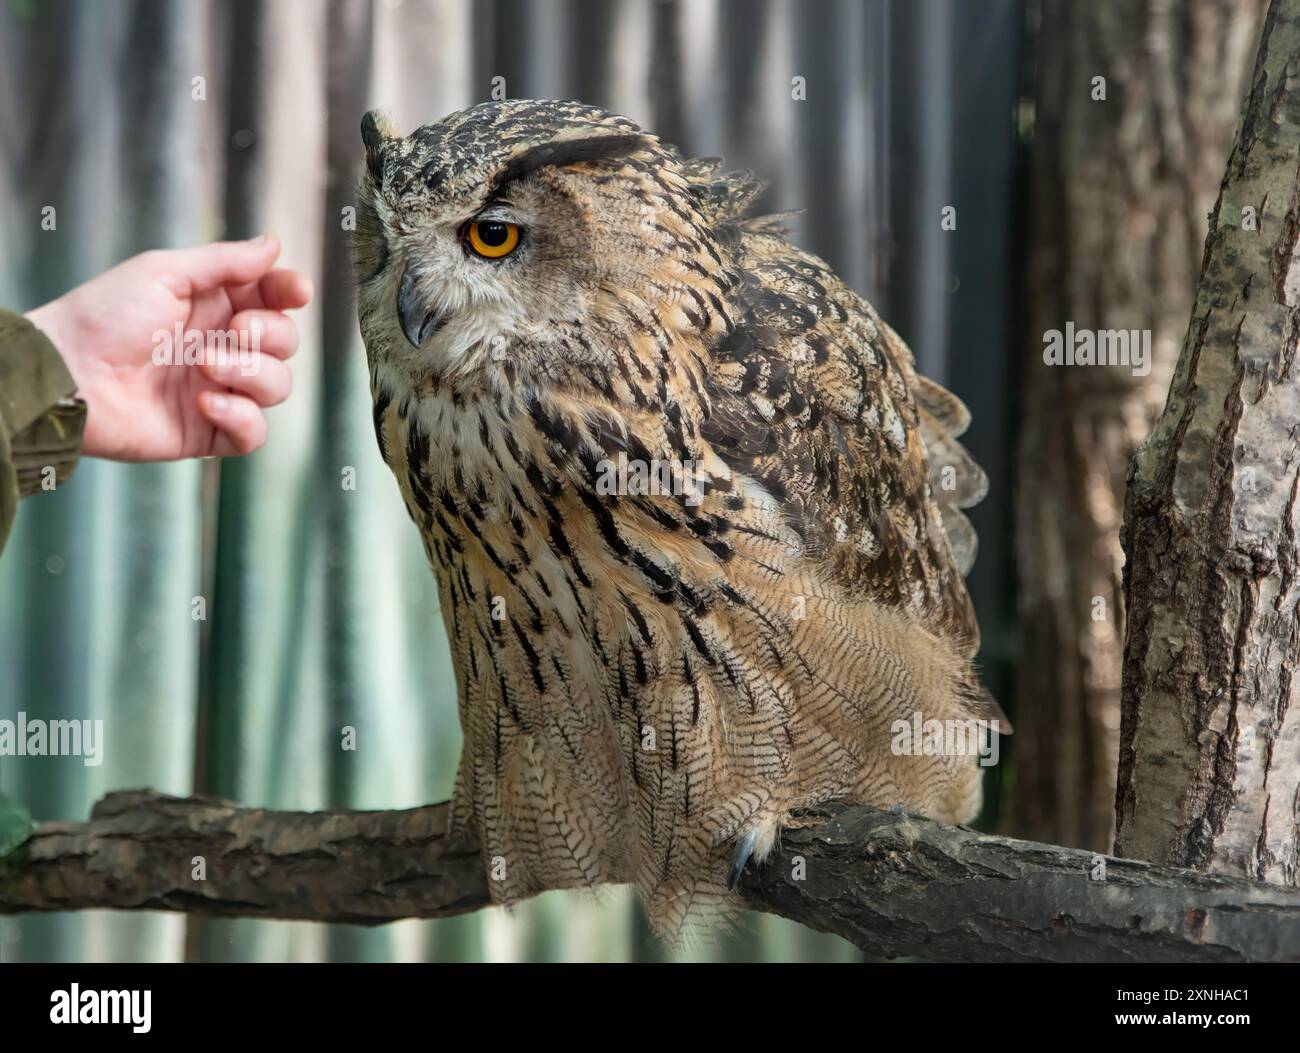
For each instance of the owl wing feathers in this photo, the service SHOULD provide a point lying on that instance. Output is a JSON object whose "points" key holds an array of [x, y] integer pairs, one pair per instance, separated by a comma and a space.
{"points": [[813, 399], [942, 406], [956, 481], [818, 400]]}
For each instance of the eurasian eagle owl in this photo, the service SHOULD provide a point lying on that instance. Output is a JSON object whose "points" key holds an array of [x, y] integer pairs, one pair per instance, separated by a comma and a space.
{"points": [[693, 514]]}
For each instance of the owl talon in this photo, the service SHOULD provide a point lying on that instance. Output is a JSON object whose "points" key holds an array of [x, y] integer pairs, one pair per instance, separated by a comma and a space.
{"points": [[741, 856]]}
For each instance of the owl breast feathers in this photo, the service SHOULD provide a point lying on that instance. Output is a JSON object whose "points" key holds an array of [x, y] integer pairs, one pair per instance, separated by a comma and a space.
{"points": [[693, 515]]}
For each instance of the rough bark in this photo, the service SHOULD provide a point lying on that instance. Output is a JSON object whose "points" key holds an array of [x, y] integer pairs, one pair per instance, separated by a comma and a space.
{"points": [[140, 850], [1209, 773], [892, 884], [1120, 192]]}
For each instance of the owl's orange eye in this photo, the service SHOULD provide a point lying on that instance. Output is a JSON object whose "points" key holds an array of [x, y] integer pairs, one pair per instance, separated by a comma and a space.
{"points": [[492, 238]]}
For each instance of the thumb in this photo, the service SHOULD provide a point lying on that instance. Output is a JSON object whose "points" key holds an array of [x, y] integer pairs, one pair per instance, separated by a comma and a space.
{"points": [[220, 263]]}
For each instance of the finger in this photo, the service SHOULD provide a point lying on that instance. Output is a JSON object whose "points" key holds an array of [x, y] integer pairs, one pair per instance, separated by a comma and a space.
{"points": [[210, 310], [267, 381], [241, 428], [221, 263], [280, 290], [286, 290], [276, 334]]}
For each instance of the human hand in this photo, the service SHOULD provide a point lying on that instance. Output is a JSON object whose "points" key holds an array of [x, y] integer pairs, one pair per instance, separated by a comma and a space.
{"points": [[113, 331]]}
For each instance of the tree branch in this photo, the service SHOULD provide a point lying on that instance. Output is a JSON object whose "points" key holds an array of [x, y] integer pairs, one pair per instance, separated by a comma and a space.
{"points": [[138, 852], [892, 884]]}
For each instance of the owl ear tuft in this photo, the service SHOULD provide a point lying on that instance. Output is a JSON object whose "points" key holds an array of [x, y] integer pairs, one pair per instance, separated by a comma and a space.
{"points": [[375, 131]]}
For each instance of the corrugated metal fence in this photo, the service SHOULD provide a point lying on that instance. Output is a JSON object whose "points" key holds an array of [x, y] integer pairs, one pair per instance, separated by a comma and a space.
{"points": [[149, 123]]}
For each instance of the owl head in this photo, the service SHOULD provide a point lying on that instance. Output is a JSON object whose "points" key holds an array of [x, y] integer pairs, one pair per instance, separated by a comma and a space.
{"points": [[542, 243]]}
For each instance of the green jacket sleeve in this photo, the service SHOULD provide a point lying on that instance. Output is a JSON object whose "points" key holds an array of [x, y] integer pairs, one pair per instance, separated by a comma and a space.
{"points": [[41, 424]]}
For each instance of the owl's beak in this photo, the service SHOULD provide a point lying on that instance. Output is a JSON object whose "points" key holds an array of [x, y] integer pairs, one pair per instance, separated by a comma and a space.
{"points": [[418, 324]]}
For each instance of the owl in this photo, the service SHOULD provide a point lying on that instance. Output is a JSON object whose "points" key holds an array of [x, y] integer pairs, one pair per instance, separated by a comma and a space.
{"points": [[694, 517]]}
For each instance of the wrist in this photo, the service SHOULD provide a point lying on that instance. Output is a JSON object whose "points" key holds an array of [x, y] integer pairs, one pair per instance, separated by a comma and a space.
{"points": [[52, 320], [49, 319]]}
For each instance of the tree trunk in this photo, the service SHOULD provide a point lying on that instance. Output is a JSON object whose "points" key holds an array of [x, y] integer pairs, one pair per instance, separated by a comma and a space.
{"points": [[1209, 773], [1121, 188]]}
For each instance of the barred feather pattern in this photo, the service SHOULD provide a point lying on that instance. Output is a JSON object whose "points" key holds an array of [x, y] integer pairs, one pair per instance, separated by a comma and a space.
{"points": [[645, 677]]}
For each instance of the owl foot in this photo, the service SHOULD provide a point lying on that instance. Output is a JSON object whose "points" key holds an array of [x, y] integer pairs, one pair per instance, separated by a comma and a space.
{"points": [[744, 846]]}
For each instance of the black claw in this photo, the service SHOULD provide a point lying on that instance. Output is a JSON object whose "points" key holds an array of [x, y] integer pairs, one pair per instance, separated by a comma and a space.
{"points": [[740, 857]]}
